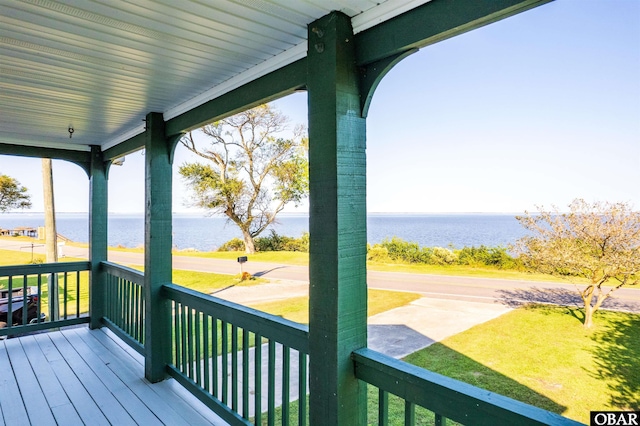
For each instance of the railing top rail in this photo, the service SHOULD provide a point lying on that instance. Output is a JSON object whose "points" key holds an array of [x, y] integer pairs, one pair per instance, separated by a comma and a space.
{"points": [[124, 272], [448, 397], [287, 332], [44, 268]]}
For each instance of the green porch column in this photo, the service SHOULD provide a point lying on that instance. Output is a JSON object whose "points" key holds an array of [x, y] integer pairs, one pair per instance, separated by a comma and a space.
{"points": [[97, 235], [337, 224], [157, 243]]}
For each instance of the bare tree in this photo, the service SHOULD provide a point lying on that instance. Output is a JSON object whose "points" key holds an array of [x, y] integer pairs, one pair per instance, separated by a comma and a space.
{"points": [[599, 241], [252, 172], [12, 194]]}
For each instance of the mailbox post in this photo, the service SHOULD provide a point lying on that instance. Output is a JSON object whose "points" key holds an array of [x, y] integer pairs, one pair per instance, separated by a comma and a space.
{"points": [[241, 261]]}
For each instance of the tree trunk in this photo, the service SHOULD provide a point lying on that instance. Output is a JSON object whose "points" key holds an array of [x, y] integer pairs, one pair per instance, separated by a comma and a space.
{"points": [[587, 298], [51, 235], [249, 245], [588, 315]]}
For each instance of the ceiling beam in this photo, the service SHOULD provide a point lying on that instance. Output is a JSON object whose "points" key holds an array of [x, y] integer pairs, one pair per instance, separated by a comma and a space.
{"points": [[133, 144], [269, 87], [432, 22], [81, 158]]}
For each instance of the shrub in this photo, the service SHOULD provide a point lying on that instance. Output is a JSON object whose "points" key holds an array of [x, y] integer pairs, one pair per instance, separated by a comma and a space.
{"points": [[486, 256], [411, 252], [443, 256], [235, 244], [377, 253], [275, 242]]}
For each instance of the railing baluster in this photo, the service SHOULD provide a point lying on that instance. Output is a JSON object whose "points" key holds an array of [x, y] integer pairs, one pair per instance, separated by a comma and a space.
{"points": [[234, 367], [257, 410], [440, 421], [225, 362], [215, 357], [39, 308], [245, 374], [25, 309], [117, 308], [10, 303], [184, 333], [409, 413], [286, 370], [142, 310], [77, 294], [65, 293], [383, 408], [302, 388], [108, 297], [136, 312], [177, 335], [271, 392], [206, 352], [190, 338], [130, 315], [198, 342]]}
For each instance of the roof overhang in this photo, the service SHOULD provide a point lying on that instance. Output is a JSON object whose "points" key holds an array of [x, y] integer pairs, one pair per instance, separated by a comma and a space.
{"points": [[98, 68]]}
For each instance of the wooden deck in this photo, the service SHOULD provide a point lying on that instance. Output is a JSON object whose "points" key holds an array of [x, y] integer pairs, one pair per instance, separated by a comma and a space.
{"points": [[81, 376]]}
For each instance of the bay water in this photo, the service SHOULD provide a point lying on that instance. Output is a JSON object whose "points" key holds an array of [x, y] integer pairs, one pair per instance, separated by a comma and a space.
{"points": [[203, 233]]}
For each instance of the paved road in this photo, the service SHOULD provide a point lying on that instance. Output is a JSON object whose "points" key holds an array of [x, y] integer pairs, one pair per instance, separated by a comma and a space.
{"points": [[508, 292]]}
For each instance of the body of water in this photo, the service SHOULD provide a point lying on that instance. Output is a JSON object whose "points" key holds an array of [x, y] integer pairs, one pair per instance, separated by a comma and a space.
{"points": [[208, 233]]}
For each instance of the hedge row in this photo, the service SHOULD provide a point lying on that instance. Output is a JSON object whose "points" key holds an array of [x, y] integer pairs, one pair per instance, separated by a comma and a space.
{"points": [[394, 249], [398, 249]]}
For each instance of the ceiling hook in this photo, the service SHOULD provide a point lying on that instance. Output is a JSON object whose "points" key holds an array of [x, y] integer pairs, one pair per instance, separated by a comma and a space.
{"points": [[70, 130]]}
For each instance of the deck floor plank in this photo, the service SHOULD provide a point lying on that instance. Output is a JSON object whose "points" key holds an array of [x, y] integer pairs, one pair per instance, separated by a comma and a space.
{"points": [[134, 380], [67, 415], [86, 407], [88, 377], [127, 398], [103, 398], [49, 383], [166, 397], [37, 407], [13, 409], [173, 409]]}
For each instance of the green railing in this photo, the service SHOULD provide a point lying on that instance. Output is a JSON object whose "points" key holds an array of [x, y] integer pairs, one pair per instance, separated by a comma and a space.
{"points": [[246, 365], [124, 303], [446, 398], [55, 295]]}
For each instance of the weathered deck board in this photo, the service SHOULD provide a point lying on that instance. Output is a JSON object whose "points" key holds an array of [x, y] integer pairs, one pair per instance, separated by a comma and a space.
{"points": [[81, 376]]}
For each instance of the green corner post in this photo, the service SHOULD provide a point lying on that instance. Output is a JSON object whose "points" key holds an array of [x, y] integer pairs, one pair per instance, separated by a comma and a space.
{"points": [[337, 224], [97, 235], [157, 242]]}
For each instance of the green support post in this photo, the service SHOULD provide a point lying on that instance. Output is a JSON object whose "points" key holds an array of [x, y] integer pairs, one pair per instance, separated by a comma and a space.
{"points": [[337, 224], [97, 235], [157, 253]]}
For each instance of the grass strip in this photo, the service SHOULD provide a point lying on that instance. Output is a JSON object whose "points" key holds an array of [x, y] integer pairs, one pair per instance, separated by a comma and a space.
{"points": [[543, 356], [297, 308]]}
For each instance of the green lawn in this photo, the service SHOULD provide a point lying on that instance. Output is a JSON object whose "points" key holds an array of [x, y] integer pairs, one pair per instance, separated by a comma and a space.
{"points": [[297, 308], [543, 356]]}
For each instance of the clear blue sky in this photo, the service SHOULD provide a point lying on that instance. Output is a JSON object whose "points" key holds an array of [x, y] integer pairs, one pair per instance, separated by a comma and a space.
{"points": [[537, 109]]}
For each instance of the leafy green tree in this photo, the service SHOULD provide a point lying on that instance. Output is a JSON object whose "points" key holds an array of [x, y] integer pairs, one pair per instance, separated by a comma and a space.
{"points": [[252, 172], [598, 241], [12, 194]]}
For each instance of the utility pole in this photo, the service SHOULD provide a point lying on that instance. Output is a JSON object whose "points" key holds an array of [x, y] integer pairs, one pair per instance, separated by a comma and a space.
{"points": [[51, 236]]}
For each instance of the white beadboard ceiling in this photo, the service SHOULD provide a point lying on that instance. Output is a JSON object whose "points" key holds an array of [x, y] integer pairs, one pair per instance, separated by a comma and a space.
{"points": [[99, 66]]}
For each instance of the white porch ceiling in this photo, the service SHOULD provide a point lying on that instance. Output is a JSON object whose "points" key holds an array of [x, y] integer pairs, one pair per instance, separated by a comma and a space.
{"points": [[99, 66]]}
